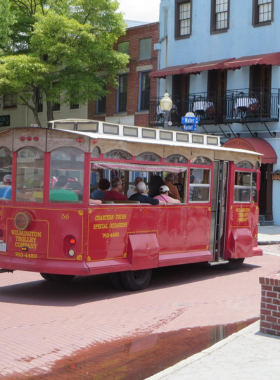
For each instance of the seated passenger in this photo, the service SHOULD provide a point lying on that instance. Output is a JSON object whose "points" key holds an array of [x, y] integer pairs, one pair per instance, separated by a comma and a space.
{"points": [[133, 190], [38, 195], [103, 185], [140, 197], [164, 196], [60, 192], [155, 183], [6, 191], [115, 192], [95, 202], [173, 190]]}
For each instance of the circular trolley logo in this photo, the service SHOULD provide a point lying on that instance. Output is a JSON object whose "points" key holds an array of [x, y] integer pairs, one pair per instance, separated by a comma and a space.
{"points": [[22, 221]]}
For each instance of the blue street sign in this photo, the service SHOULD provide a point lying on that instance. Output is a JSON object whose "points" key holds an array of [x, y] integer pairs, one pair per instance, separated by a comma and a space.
{"points": [[189, 127], [189, 120]]}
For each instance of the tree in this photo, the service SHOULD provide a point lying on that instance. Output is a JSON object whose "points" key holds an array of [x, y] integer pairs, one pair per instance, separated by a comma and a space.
{"points": [[58, 48], [6, 21]]}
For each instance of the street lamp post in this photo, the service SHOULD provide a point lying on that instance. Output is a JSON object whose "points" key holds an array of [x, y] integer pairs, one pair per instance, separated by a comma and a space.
{"points": [[165, 105]]}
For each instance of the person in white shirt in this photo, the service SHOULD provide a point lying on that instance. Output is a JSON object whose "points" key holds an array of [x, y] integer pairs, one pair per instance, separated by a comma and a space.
{"points": [[134, 190]]}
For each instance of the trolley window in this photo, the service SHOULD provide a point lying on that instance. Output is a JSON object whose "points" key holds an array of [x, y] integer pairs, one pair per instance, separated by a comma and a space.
{"points": [[245, 187], [67, 172], [199, 187], [5, 174], [30, 175]]}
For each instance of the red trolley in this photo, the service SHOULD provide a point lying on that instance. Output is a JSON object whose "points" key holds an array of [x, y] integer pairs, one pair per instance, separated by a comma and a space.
{"points": [[216, 221]]}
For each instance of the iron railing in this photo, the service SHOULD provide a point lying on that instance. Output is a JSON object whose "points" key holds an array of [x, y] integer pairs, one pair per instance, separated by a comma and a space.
{"points": [[236, 106]]}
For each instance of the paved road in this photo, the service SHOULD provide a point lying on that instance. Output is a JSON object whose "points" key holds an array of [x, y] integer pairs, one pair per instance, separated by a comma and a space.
{"points": [[42, 323]]}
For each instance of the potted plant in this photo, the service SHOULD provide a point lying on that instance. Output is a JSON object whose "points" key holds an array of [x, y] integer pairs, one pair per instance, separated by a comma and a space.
{"points": [[276, 174]]}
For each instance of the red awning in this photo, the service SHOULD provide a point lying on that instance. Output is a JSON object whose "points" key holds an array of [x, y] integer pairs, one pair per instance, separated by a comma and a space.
{"points": [[261, 59], [204, 66], [171, 70], [256, 145]]}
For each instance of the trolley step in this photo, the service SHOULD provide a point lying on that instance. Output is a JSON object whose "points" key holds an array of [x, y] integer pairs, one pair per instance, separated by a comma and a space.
{"points": [[6, 270], [219, 262]]}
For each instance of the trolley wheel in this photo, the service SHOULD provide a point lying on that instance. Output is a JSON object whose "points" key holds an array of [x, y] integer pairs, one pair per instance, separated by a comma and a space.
{"points": [[46, 276], [58, 278], [234, 264], [116, 281], [136, 280]]}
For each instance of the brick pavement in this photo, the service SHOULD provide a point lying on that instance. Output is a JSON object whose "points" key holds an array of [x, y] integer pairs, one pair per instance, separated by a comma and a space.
{"points": [[41, 322]]}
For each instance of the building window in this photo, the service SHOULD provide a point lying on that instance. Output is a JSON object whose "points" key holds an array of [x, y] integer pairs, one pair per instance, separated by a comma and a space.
{"points": [[123, 47], [101, 105], [39, 100], [74, 106], [262, 12], [122, 93], [145, 48], [183, 19], [144, 91], [219, 16], [9, 102]]}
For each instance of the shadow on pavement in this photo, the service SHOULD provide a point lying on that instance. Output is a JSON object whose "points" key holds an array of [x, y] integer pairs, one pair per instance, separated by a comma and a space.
{"points": [[95, 288]]}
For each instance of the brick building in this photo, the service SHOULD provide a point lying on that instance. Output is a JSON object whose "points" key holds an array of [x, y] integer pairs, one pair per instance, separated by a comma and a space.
{"points": [[129, 103]]}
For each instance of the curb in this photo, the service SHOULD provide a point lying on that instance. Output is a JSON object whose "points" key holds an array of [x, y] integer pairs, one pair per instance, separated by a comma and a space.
{"points": [[253, 328], [269, 242]]}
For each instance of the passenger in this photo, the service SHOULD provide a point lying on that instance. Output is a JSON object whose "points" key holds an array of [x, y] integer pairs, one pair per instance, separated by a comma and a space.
{"points": [[6, 191], [191, 188], [140, 197], [38, 195], [180, 188], [103, 185], [115, 193], [134, 191], [95, 202], [60, 192], [155, 183], [163, 195], [174, 193]]}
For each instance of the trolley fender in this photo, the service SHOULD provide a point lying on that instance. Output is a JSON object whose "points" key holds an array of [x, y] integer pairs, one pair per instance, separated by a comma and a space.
{"points": [[242, 243], [143, 251]]}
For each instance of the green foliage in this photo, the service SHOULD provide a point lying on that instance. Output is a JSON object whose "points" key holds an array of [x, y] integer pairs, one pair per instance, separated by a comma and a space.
{"points": [[6, 21], [66, 42]]}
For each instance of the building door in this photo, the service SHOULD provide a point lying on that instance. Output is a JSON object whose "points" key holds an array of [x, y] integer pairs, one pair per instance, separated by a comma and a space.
{"points": [[180, 92], [217, 85], [260, 87]]}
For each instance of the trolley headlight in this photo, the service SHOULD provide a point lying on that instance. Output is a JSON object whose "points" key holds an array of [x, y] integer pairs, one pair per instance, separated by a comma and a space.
{"points": [[71, 252]]}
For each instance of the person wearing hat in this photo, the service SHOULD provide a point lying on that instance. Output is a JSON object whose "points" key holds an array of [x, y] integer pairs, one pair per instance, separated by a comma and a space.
{"points": [[6, 191], [164, 196], [141, 197]]}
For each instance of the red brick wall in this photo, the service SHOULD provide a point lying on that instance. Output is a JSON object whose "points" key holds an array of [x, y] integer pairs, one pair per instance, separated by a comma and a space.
{"points": [[270, 305], [133, 36]]}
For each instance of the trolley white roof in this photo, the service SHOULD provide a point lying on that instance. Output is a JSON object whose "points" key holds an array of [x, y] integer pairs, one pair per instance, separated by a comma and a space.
{"points": [[99, 129]]}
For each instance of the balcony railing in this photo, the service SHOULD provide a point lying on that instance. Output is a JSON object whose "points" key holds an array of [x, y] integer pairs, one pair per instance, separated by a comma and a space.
{"points": [[236, 106]]}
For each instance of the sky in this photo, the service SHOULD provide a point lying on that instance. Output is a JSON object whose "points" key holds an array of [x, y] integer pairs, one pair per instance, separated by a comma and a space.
{"points": [[140, 10]]}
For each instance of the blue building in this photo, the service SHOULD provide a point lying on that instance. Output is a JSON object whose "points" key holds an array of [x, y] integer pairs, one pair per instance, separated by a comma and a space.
{"points": [[220, 59]]}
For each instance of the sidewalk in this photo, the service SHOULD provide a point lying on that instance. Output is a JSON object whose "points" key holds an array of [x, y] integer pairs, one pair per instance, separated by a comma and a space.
{"points": [[247, 354], [269, 235]]}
